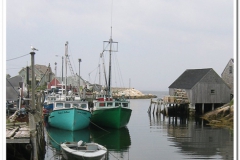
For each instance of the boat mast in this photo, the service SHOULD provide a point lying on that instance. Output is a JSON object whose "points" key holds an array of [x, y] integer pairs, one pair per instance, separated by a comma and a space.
{"points": [[66, 54], [104, 70], [99, 74], [110, 63]]}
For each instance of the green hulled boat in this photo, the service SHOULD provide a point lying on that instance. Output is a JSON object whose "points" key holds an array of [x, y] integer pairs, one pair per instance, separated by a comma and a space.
{"points": [[109, 112], [113, 113]]}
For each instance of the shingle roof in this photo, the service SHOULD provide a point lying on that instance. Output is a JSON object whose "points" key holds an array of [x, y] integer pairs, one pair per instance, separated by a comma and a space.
{"points": [[189, 78], [41, 68]]}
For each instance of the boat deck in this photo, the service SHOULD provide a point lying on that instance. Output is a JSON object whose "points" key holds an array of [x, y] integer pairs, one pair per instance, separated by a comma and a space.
{"points": [[17, 133]]}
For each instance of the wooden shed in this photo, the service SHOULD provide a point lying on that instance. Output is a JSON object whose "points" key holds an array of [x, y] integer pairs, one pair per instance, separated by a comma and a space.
{"points": [[205, 89], [228, 74]]}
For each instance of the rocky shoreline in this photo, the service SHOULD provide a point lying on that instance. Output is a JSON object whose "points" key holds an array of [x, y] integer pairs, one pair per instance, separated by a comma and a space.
{"points": [[131, 93], [221, 117]]}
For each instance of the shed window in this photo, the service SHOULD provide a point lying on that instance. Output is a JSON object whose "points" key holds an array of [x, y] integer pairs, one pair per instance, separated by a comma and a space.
{"points": [[230, 69], [212, 91]]}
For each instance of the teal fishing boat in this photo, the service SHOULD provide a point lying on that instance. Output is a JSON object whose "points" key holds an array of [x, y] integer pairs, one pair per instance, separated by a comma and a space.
{"points": [[107, 111], [70, 115], [70, 112]]}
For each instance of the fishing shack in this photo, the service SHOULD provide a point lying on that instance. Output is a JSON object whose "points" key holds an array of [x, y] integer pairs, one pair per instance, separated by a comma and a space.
{"points": [[228, 74], [203, 89]]}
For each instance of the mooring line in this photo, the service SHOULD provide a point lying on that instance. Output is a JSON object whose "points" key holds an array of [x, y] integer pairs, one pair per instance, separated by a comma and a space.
{"points": [[113, 155], [92, 122], [100, 127], [52, 138]]}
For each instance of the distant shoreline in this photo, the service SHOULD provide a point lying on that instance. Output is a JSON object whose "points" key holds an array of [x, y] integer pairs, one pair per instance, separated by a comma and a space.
{"points": [[131, 93]]}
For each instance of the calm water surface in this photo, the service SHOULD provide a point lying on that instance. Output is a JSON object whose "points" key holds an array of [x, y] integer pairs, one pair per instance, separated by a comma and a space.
{"points": [[150, 137]]}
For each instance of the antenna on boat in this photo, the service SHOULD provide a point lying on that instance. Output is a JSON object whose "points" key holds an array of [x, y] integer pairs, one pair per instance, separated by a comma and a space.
{"points": [[111, 16], [108, 46]]}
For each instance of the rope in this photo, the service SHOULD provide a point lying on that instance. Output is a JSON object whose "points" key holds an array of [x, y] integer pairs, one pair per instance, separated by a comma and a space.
{"points": [[119, 71], [41, 79], [91, 72], [52, 138], [12, 86], [95, 124], [113, 155], [17, 57], [99, 127]]}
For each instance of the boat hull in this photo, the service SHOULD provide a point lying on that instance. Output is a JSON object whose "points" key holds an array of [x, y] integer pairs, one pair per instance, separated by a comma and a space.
{"points": [[69, 119], [73, 153], [116, 117]]}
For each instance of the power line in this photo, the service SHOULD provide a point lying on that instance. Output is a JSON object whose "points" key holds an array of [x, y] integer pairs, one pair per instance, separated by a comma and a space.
{"points": [[17, 57], [13, 68]]}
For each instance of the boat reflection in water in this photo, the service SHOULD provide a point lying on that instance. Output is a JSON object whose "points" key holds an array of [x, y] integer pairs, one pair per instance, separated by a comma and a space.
{"points": [[117, 141], [58, 136]]}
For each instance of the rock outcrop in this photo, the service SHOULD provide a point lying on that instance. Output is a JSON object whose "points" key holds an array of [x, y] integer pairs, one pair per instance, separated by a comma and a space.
{"points": [[220, 117], [132, 93]]}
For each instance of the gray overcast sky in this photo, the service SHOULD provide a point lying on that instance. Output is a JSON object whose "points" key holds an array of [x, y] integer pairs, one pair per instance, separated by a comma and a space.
{"points": [[157, 39]]}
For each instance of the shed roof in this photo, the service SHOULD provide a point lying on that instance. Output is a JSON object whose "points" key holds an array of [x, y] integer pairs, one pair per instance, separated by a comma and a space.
{"points": [[231, 61], [40, 68], [189, 78]]}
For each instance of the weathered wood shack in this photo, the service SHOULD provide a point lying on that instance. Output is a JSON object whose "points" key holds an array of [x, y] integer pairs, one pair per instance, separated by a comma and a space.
{"points": [[228, 74], [205, 89]]}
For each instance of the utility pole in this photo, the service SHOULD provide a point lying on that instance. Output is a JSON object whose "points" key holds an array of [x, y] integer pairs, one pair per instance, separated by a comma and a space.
{"points": [[79, 60], [33, 81], [55, 75], [62, 75]]}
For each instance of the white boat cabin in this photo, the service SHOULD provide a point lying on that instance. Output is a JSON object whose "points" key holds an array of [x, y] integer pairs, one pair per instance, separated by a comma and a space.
{"points": [[58, 105], [103, 102]]}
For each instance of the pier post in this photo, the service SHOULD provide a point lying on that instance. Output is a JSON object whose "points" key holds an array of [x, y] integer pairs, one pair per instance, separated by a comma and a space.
{"points": [[27, 102], [35, 118], [212, 106], [202, 108], [166, 109], [158, 107], [154, 108], [149, 108], [33, 81], [191, 109]]}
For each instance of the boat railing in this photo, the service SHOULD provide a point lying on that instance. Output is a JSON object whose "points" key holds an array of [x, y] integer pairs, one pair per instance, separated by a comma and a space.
{"points": [[69, 104], [102, 104]]}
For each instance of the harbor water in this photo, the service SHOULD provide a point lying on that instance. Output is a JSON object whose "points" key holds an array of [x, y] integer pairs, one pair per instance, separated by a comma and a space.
{"points": [[150, 137]]}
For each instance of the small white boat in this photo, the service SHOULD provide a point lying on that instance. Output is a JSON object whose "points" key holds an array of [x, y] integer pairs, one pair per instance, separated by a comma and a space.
{"points": [[81, 150]]}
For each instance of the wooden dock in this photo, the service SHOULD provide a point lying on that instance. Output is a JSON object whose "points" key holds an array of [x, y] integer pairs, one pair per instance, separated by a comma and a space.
{"points": [[176, 104], [25, 134], [25, 140], [17, 133]]}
